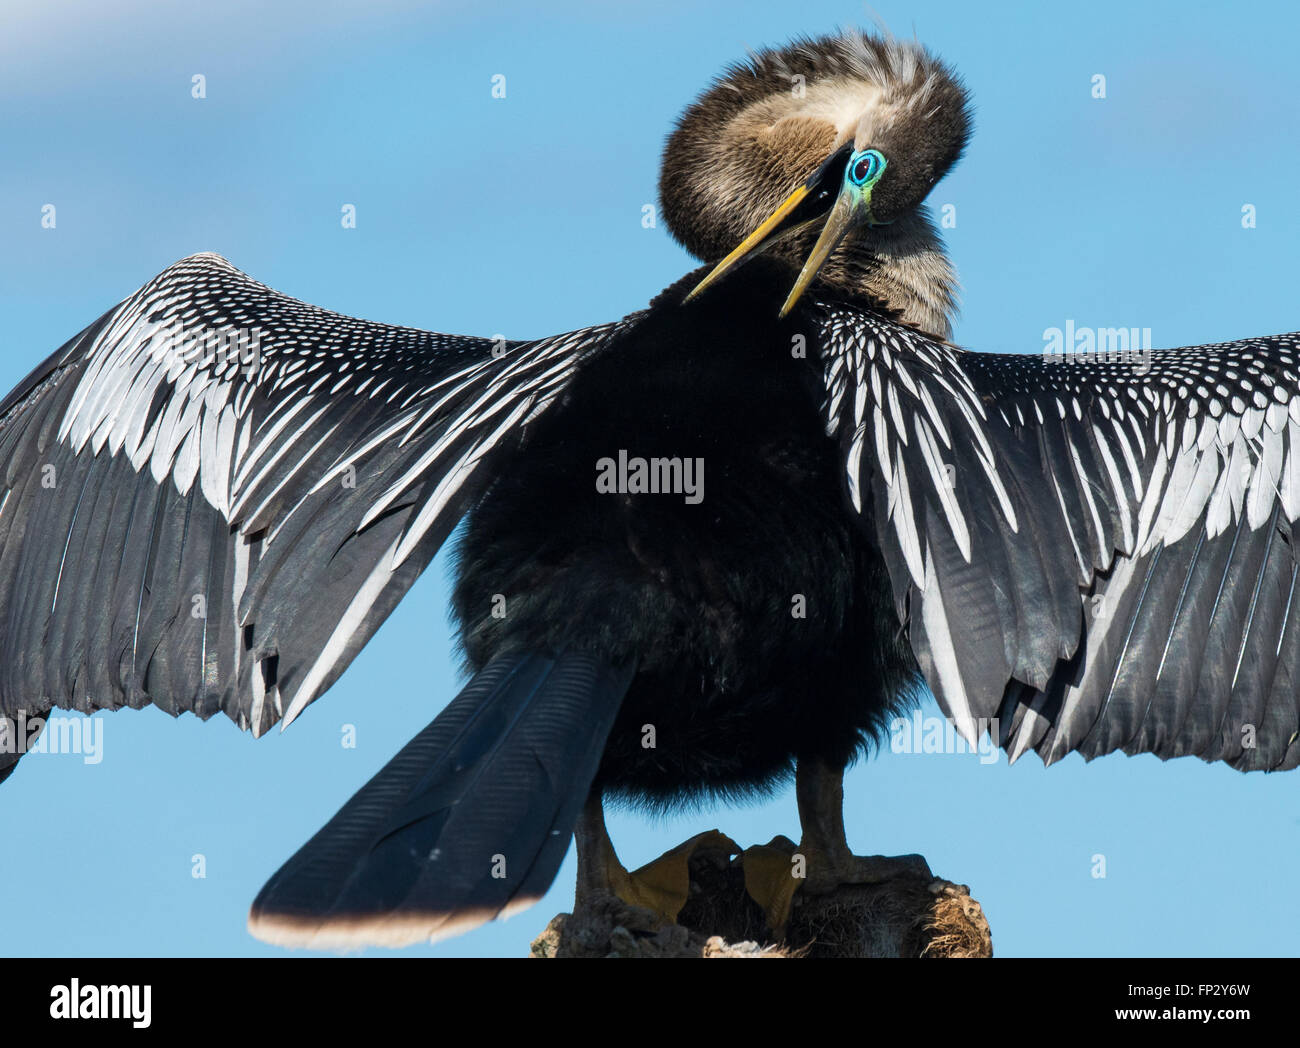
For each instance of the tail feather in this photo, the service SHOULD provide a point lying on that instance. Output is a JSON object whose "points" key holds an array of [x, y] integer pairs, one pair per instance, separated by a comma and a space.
{"points": [[469, 821]]}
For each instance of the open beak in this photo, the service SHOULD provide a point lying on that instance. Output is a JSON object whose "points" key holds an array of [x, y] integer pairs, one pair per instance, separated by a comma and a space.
{"points": [[844, 215], [816, 198]]}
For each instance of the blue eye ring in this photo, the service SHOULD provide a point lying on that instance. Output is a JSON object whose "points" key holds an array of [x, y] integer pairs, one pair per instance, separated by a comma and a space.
{"points": [[866, 167]]}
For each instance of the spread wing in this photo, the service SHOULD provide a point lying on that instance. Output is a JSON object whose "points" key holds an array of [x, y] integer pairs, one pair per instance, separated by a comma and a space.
{"points": [[214, 495], [1091, 554]]}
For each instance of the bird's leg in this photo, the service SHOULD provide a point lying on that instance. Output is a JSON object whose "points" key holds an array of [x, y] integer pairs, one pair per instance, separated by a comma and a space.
{"points": [[600, 874], [661, 886], [602, 878], [821, 861], [819, 790]]}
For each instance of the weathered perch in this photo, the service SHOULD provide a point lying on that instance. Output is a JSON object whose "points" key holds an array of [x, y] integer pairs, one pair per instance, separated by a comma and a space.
{"points": [[904, 917]]}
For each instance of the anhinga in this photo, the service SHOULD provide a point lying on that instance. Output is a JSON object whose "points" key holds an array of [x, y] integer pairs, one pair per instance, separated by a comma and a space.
{"points": [[1074, 555]]}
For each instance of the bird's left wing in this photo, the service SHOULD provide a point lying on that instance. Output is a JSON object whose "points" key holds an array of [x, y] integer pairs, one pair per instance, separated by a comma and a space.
{"points": [[1090, 554], [212, 497]]}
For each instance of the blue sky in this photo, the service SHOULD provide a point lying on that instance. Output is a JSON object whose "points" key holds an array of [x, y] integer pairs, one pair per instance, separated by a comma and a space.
{"points": [[522, 216]]}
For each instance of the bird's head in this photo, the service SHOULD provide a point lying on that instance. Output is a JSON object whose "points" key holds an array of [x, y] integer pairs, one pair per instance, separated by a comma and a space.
{"points": [[823, 153]]}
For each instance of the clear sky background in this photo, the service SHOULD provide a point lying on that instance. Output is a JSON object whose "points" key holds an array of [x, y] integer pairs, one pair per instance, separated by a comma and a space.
{"points": [[522, 216]]}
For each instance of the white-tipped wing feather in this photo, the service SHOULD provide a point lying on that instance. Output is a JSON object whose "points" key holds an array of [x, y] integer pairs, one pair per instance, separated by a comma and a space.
{"points": [[214, 495], [1096, 554]]}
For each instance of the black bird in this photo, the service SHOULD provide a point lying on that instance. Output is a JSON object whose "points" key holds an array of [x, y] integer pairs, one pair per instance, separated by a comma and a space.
{"points": [[718, 543]]}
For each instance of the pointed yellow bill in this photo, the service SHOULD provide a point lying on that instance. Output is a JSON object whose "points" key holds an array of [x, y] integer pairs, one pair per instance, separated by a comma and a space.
{"points": [[837, 225], [851, 176], [753, 240]]}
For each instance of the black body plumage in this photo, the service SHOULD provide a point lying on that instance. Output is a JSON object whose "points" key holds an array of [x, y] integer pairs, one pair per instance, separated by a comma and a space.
{"points": [[760, 617]]}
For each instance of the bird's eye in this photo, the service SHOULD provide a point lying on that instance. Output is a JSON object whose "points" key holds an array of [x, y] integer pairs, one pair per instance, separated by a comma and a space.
{"points": [[866, 167]]}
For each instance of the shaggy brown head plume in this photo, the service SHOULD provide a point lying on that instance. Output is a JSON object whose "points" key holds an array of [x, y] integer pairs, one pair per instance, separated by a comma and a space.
{"points": [[823, 153]]}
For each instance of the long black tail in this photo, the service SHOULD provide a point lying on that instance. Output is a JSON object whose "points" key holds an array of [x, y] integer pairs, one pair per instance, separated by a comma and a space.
{"points": [[470, 820]]}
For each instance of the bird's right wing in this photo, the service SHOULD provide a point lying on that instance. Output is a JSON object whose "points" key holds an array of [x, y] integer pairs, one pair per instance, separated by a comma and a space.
{"points": [[212, 497], [1090, 554]]}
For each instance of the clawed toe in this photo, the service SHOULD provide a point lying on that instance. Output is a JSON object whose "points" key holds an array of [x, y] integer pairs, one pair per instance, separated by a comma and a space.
{"points": [[826, 873]]}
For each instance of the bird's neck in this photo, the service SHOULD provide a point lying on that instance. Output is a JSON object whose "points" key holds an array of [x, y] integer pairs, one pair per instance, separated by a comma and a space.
{"points": [[903, 269]]}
